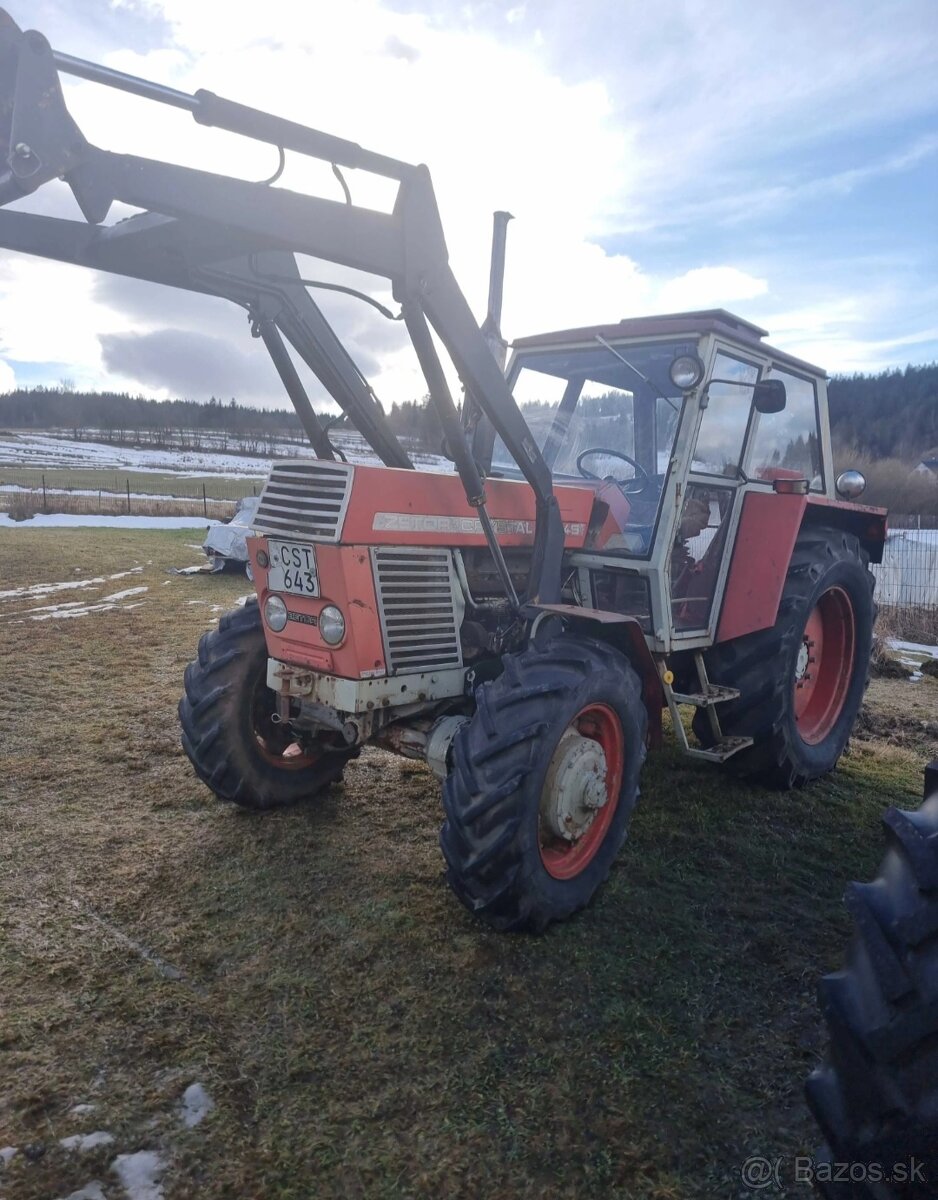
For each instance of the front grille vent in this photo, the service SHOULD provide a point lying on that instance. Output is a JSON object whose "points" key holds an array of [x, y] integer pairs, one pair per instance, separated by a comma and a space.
{"points": [[305, 497], [421, 607]]}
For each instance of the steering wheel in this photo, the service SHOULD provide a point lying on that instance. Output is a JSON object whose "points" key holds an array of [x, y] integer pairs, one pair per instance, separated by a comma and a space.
{"points": [[641, 475]]}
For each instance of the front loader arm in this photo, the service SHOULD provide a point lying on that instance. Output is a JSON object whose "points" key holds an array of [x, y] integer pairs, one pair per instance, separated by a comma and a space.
{"points": [[224, 226]]}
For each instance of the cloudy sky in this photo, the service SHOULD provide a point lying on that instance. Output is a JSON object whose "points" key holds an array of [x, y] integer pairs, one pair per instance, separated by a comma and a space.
{"points": [[778, 159]]}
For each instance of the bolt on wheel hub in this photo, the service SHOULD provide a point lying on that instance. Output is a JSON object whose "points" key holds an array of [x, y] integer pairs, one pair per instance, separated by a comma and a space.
{"points": [[575, 787]]}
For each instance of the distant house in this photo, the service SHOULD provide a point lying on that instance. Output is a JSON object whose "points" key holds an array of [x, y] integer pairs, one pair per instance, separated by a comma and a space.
{"points": [[929, 463]]}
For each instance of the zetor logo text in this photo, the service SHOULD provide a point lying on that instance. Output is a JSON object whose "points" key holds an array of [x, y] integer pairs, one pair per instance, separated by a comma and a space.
{"points": [[429, 523]]}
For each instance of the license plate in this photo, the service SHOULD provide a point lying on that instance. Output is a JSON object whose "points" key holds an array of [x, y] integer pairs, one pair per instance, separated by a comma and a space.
{"points": [[292, 568]]}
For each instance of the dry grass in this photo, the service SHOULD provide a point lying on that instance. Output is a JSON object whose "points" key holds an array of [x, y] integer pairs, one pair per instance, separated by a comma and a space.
{"points": [[892, 483], [909, 624], [361, 1034]]}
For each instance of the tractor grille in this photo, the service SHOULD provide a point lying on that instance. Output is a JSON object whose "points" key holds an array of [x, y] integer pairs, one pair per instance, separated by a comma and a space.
{"points": [[305, 497], [420, 607]]}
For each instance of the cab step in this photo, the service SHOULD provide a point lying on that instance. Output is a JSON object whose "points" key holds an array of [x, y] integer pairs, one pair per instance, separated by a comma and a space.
{"points": [[707, 697], [719, 751], [714, 694]]}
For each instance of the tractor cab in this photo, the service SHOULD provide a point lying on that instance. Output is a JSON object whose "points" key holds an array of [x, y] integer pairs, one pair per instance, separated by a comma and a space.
{"points": [[679, 424]]}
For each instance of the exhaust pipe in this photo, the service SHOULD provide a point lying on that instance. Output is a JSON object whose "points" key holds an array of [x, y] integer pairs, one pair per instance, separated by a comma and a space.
{"points": [[492, 325]]}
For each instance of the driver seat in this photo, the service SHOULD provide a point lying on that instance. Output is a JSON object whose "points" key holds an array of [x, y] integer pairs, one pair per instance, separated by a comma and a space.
{"points": [[611, 513]]}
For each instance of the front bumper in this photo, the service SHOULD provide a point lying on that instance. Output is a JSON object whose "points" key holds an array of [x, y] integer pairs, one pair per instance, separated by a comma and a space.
{"points": [[364, 695]]}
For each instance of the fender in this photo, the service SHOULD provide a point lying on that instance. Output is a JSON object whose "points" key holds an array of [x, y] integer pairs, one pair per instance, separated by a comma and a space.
{"points": [[625, 634], [768, 528]]}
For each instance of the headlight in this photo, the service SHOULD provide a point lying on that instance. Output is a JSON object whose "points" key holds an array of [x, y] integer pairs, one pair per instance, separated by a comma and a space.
{"points": [[331, 625], [275, 613], [851, 484], [686, 371]]}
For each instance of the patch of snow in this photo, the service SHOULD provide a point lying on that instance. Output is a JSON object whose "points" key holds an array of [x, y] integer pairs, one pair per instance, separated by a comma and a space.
{"points": [[87, 520], [79, 1110], [46, 589], [135, 591], [913, 647], [196, 1105], [70, 608], [91, 1191], [8, 1153], [86, 1141], [140, 1174]]}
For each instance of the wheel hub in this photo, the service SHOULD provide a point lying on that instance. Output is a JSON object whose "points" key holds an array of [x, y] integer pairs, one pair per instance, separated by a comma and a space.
{"points": [[803, 661], [575, 787]]}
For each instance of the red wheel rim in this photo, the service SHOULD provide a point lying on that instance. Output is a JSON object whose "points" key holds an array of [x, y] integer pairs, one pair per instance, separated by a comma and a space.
{"points": [[562, 859], [824, 666]]}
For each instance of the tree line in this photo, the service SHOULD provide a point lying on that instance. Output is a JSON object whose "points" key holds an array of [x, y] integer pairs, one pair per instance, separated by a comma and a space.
{"points": [[892, 414]]}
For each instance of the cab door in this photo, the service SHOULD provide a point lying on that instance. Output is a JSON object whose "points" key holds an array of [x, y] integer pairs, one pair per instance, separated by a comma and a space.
{"points": [[709, 510]]}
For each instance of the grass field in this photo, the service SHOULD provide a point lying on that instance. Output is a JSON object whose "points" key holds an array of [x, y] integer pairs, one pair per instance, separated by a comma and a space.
{"points": [[360, 1034]]}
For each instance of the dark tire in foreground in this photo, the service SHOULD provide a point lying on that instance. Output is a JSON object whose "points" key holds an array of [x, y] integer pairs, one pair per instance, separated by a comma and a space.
{"points": [[543, 782], [801, 682], [228, 733], [876, 1096]]}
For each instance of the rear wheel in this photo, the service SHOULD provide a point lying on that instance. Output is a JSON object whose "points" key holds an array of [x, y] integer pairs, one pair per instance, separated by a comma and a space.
{"points": [[801, 682], [876, 1096], [229, 727], [544, 779]]}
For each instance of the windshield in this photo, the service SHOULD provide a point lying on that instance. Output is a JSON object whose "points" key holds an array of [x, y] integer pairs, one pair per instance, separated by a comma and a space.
{"points": [[604, 413]]}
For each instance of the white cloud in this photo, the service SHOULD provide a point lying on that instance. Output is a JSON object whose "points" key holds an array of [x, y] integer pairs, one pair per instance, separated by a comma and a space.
{"points": [[710, 287], [650, 124]]}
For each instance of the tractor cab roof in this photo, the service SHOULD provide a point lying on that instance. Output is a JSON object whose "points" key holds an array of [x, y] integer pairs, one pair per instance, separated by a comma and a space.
{"points": [[711, 320]]}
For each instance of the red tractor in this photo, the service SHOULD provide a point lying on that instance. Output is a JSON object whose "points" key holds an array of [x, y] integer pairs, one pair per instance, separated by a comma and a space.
{"points": [[633, 517]]}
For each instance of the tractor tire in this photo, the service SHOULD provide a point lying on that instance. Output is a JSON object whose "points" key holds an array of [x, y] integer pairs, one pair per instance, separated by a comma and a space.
{"points": [[543, 782], [799, 708], [227, 731], [876, 1096]]}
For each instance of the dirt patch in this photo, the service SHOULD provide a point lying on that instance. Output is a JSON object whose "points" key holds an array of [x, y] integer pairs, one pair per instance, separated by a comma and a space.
{"points": [[901, 712]]}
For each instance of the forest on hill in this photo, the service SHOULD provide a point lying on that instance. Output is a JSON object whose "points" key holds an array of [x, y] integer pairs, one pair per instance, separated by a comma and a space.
{"points": [[892, 414]]}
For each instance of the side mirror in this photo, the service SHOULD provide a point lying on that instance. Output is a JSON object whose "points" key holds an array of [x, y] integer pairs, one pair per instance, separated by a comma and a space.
{"points": [[770, 396]]}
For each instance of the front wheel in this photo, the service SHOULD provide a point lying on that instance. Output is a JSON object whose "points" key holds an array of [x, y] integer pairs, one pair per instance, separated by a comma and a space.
{"points": [[543, 782], [802, 681], [230, 730]]}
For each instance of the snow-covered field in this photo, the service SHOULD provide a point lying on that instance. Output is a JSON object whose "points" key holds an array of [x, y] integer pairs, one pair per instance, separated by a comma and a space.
{"points": [[47, 451]]}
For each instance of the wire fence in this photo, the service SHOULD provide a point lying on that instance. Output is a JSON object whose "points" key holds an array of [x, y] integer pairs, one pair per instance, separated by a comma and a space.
{"points": [[24, 492], [908, 575]]}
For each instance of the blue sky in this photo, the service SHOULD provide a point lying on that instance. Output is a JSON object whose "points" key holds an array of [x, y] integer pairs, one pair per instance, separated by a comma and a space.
{"points": [[779, 159]]}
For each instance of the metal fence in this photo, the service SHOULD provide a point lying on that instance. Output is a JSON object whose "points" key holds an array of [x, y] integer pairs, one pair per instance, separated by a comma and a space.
{"points": [[29, 491], [908, 575]]}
